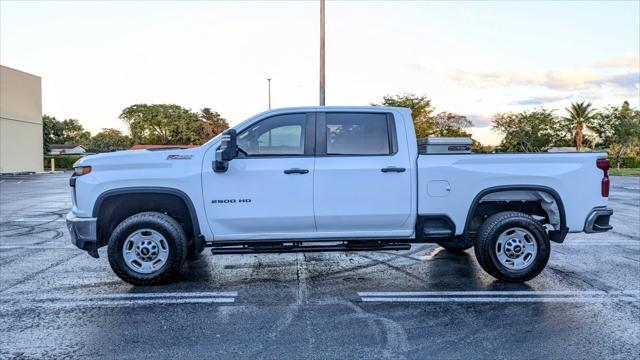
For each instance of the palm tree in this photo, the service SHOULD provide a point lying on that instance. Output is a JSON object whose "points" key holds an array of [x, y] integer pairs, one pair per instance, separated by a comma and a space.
{"points": [[580, 116]]}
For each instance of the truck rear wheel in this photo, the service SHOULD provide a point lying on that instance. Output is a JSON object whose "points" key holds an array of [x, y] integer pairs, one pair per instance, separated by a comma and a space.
{"points": [[147, 248], [512, 246]]}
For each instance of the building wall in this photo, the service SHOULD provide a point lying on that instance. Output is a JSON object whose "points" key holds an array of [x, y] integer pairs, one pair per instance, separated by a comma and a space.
{"points": [[20, 121]]}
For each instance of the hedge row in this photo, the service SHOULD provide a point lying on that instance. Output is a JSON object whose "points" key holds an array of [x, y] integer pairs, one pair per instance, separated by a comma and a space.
{"points": [[627, 162], [61, 161]]}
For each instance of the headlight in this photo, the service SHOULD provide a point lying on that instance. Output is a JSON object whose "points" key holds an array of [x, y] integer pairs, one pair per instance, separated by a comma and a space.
{"points": [[82, 170]]}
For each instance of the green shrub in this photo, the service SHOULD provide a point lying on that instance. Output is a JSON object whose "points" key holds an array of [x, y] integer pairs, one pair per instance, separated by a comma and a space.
{"points": [[627, 162], [61, 161]]}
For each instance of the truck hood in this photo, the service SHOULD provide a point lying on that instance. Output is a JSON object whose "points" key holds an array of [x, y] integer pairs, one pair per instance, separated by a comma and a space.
{"points": [[139, 159]]}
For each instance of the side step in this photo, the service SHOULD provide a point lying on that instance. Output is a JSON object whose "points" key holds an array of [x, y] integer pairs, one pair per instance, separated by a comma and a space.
{"points": [[294, 248]]}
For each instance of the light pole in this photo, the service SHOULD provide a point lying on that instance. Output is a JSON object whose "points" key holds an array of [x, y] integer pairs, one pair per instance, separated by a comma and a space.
{"points": [[269, 90], [321, 52]]}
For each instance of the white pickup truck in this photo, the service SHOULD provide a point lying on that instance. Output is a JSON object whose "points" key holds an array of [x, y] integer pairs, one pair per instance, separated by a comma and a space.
{"points": [[331, 179]]}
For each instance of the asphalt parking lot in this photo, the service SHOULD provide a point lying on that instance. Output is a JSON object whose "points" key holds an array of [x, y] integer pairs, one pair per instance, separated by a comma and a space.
{"points": [[58, 302]]}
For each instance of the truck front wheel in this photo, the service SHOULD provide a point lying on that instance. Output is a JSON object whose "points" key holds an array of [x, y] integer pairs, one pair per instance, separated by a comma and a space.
{"points": [[147, 248], [512, 246]]}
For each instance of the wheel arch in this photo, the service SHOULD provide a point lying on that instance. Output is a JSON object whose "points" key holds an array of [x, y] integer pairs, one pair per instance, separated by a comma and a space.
{"points": [[555, 235], [179, 202]]}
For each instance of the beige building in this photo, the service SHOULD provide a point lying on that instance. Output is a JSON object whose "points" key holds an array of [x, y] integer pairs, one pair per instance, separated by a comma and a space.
{"points": [[20, 121]]}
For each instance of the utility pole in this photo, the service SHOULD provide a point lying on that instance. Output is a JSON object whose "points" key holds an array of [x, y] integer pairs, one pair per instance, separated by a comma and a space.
{"points": [[321, 52], [269, 89]]}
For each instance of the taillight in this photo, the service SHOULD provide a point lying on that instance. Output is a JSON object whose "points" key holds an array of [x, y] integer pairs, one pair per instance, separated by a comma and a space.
{"points": [[604, 165]]}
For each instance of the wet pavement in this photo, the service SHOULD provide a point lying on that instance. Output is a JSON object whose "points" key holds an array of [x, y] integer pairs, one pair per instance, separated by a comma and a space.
{"points": [[58, 302]]}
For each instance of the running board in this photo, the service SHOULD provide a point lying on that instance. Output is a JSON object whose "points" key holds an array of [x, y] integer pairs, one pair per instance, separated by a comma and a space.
{"points": [[306, 248]]}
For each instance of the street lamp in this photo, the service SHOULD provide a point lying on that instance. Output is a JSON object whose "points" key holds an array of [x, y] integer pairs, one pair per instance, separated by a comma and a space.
{"points": [[321, 52], [269, 90]]}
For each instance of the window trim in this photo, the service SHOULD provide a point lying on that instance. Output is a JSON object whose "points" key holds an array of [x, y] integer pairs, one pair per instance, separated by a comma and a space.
{"points": [[309, 139], [321, 134]]}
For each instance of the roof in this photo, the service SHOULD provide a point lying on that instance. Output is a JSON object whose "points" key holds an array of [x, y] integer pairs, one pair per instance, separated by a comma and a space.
{"points": [[65, 146], [142, 147]]}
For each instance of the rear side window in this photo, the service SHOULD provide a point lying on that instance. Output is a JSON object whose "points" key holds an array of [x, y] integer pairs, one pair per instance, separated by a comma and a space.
{"points": [[357, 134], [277, 135]]}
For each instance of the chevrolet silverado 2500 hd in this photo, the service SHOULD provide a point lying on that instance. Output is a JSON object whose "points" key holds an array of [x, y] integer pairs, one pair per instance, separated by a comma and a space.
{"points": [[332, 179]]}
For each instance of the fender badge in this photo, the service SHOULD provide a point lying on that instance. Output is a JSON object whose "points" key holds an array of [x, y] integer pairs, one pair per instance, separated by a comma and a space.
{"points": [[179, 157]]}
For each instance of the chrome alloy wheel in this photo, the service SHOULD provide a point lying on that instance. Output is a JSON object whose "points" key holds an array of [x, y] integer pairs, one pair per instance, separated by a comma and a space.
{"points": [[145, 251], [516, 248]]}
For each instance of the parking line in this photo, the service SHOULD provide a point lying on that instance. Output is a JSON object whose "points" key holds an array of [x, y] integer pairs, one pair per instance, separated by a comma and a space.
{"points": [[498, 296], [230, 294], [117, 303], [36, 247], [494, 299], [118, 299], [37, 220], [483, 293]]}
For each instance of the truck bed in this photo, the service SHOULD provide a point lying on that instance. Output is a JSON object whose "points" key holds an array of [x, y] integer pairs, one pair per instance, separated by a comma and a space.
{"points": [[448, 184]]}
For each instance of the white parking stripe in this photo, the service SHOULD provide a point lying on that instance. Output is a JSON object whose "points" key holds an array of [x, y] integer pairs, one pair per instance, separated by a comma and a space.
{"points": [[484, 293], [596, 242], [499, 296], [116, 299], [123, 296], [37, 247], [37, 220], [493, 299], [115, 303]]}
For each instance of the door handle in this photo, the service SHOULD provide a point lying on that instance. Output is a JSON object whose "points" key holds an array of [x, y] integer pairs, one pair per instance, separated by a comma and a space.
{"points": [[393, 169], [296, 171]]}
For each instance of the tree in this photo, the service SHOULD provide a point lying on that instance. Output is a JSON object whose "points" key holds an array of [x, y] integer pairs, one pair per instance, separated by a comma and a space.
{"points": [[74, 133], [162, 124], [211, 124], [618, 128], [451, 125], [581, 115], [68, 131], [51, 132], [529, 131], [421, 111], [109, 140]]}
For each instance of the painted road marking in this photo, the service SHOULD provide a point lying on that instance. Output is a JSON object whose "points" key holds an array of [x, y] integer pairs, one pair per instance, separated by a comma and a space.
{"points": [[117, 299], [596, 242], [551, 296], [37, 247], [37, 220]]}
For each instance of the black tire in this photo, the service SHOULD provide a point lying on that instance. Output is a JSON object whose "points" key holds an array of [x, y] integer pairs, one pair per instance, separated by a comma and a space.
{"points": [[487, 237], [161, 223]]}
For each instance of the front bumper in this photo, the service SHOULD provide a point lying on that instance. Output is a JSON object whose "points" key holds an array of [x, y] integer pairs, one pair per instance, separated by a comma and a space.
{"points": [[598, 220], [83, 233]]}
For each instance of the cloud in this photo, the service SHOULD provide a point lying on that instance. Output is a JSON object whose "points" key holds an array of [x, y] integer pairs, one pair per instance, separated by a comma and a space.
{"points": [[566, 79], [479, 120], [626, 81], [569, 79], [630, 60], [543, 99]]}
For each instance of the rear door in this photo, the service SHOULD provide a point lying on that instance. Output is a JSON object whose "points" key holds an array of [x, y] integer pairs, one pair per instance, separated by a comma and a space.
{"points": [[362, 179], [267, 192]]}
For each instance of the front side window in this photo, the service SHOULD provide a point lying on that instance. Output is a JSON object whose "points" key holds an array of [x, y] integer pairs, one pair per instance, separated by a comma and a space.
{"points": [[357, 134], [277, 135]]}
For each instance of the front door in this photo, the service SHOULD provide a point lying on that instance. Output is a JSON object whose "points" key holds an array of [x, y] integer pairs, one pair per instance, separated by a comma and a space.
{"points": [[362, 184], [267, 192]]}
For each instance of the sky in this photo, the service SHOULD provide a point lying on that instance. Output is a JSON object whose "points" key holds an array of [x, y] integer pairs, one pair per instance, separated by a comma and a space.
{"points": [[470, 58]]}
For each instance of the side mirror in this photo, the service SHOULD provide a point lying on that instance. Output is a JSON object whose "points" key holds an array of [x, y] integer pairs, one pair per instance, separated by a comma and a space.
{"points": [[227, 151]]}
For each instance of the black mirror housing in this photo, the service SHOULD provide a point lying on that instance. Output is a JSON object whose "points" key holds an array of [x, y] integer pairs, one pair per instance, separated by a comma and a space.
{"points": [[227, 151]]}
